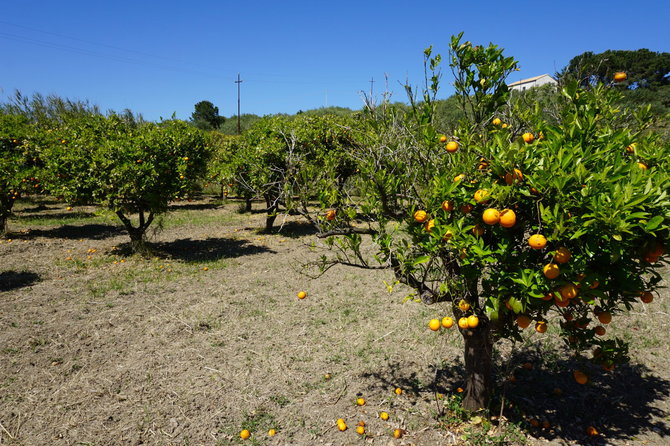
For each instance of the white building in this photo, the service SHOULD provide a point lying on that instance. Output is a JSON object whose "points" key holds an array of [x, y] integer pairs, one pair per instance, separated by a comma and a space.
{"points": [[536, 81]]}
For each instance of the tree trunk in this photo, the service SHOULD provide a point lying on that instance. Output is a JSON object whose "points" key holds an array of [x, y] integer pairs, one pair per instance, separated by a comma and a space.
{"points": [[247, 204], [6, 205], [3, 224], [478, 347], [271, 213], [138, 240]]}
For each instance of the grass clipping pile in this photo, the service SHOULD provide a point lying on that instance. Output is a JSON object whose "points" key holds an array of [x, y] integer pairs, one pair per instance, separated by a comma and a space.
{"points": [[209, 339]]}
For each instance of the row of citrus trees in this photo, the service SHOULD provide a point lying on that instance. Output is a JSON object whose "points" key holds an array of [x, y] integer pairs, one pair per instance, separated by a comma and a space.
{"points": [[137, 168], [522, 213]]}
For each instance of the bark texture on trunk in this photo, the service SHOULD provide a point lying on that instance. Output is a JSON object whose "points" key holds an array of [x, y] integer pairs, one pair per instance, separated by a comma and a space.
{"points": [[247, 202], [478, 348], [271, 213]]}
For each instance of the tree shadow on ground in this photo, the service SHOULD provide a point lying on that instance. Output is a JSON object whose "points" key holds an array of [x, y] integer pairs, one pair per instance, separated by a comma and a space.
{"points": [[293, 229], [78, 215], [90, 231], [621, 404], [207, 250], [11, 280]]}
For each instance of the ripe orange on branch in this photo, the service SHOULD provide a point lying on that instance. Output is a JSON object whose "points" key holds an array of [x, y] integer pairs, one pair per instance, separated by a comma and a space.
{"points": [[420, 216], [452, 146], [491, 216], [551, 271], [537, 241], [523, 321], [434, 324], [507, 218], [562, 255], [620, 76], [528, 137], [448, 205]]}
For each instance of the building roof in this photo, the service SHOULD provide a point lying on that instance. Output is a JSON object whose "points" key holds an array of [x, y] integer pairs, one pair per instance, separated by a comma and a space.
{"points": [[530, 79]]}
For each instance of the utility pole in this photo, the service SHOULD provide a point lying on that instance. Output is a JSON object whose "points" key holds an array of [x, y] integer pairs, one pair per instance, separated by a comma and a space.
{"points": [[238, 82], [372, 82]]}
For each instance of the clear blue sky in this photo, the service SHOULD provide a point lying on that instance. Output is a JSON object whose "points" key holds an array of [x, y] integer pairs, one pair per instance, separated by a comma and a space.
{"points": [[160, 58]]}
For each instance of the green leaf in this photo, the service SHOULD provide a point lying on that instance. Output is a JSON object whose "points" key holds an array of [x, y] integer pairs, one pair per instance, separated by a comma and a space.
{"points": [[654, 223], [419, 260]]}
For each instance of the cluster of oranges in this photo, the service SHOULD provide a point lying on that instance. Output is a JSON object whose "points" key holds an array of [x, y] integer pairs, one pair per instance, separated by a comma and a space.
{"points": [[467, 321]]}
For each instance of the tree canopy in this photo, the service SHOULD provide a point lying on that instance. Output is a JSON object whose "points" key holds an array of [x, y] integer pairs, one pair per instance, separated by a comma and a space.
{"points": [[206, 116], [644, 68]]}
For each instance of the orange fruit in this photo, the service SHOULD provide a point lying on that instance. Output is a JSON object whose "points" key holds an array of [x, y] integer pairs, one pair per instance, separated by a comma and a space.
{"points": [[384, 416], [459, 177], [600, 330], [272, 432], [642, 166], [591, 431], [398, 391], [244, 434], [557, 391], [507, 218], [528, 137], [331, 214], [580, 377], [302, 295], [568, 291], [533, 422], [496, 121], [463, 323], [452, 146], [630, 148], [360, 430], [481, 196], [523, 321], [473, 321], [620, 76], [605, 317], [512, 177], [646, 297], [562, 255], [551, 271], [448, 205], [447, 235], [443, 138], [429, 225], [420, 216], [463, 305], [527, 365], [505, 125], [447, 322], [478, 231], [434, 324], [537, 241], [540, 326], [342, 426], [466, 208], [491, 216], [361, 401], [397, 433]]}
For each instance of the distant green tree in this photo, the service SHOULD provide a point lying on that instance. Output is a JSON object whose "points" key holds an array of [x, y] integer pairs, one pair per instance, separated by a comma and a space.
{"points": [[206, 116], [645, 69]]}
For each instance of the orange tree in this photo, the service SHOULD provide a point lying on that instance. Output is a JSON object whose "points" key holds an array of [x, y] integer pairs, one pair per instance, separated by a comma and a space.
{"points": [[509, 225], [290, 161], [227, 167], [134, 169], [19, 162]]}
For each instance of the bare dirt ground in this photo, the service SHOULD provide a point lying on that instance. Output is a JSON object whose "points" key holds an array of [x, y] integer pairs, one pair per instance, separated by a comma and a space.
{"points": [[208, 338]]}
